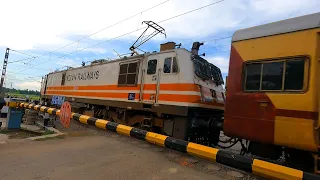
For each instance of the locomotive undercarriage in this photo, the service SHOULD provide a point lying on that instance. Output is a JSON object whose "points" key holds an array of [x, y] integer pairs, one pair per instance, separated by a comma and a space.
{"points": [[202, 129]]}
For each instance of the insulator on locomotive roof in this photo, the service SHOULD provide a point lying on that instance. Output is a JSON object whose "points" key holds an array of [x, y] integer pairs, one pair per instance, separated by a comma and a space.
{"points": [[196, 47]]}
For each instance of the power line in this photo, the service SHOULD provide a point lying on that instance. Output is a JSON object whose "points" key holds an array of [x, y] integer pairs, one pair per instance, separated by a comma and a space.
{"points": [[221, 51], [31, 56], [193, 10], [208, 5], [24, 78], [142, 28], [215, 39], [218, 39], [77, 41], [20, 73], [85, 48], [205, 41], [216, 47], [20, 60], [22, 53]]}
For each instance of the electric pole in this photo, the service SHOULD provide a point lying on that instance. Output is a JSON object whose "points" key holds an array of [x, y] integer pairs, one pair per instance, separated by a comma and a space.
{"points": [[4, 69]]}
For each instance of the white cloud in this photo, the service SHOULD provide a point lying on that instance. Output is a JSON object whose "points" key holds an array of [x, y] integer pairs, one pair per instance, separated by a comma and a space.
{"points": [[41, 24], [221, 62], [22, 81], [31, 85], [96, 50], [67, 62], [284, 7]]}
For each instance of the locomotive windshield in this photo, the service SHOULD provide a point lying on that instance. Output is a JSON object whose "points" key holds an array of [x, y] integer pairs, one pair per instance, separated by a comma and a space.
{"points": [[206, 71]]}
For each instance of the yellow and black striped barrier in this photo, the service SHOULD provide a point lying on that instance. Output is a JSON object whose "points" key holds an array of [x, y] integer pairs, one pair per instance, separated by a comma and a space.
{"points": [[255, 166]]}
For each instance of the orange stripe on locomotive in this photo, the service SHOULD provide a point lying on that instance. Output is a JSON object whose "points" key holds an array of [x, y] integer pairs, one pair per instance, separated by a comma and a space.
{"points": [[91, 92]]}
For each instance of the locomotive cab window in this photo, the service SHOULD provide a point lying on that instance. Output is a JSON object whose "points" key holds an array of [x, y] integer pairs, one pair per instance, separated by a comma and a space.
{"points": [[278, 75], [128, 74], [152, 67], [170, 65]]}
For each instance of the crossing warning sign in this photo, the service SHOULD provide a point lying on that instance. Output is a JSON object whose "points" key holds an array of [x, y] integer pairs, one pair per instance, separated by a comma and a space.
{"points": [[65, 114]]}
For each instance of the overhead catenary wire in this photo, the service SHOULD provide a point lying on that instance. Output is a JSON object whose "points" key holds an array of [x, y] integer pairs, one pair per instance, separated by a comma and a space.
{"points": [[22, 53], [20, 60], [223, 46], [124, 53], [77, 41], [179, 15], [216, 39], [205, 41], [206, 48], [24, 78], [9, 72], [144, 51], [197, 9], [139, 28], [215, 52], [26, 54]]}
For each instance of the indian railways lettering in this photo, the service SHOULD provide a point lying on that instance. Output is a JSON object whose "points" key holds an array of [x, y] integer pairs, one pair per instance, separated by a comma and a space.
{"points": [[83, 76]]}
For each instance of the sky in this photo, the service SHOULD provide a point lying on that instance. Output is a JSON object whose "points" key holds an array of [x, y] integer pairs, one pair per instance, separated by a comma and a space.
{"points": [[43, 29]]}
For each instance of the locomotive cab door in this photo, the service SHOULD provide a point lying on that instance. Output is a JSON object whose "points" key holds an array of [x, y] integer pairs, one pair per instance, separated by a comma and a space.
{"points": [[161, 69], [149, 81], [168, 77]]}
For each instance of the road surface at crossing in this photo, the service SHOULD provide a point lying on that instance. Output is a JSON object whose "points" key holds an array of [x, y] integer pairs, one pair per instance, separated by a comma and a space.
{"points": [[103, 157]]}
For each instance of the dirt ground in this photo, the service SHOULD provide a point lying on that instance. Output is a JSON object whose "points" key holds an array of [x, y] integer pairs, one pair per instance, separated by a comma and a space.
{"points": [[91, 153], [96, 157]]}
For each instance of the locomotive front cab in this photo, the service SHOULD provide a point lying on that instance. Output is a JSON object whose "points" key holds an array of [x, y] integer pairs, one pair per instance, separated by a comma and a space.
{"points": [[272, 96]]}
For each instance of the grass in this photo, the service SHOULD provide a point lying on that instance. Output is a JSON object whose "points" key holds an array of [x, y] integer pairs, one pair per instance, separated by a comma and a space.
{"points": [[19, 133], [50, 138], [33, 97], [47, 132]]}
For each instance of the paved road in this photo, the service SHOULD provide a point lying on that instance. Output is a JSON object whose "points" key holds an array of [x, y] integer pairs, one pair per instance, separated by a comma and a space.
{"points": [[101, 157]]}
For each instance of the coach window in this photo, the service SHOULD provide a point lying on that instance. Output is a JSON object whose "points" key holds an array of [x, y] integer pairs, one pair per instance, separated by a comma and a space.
{"points": [[152, 67], [253, 72], [128, 74], [170, 65], [278, 75], [294, 75], [272, 75]]}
